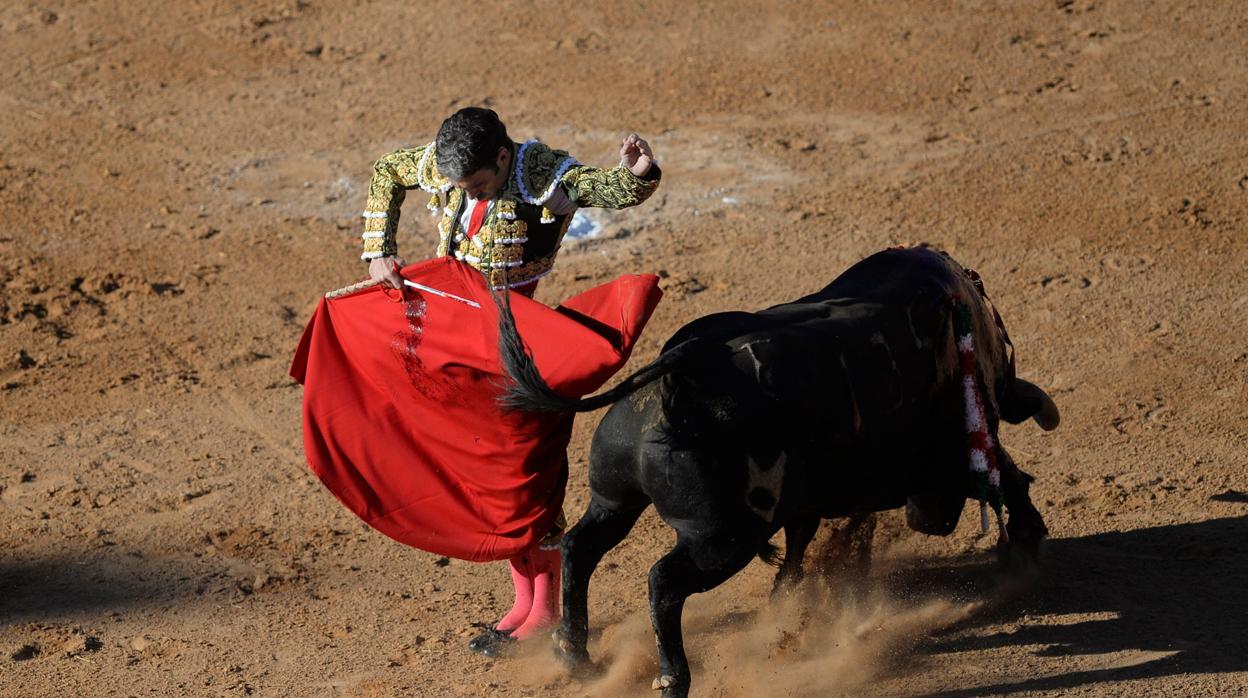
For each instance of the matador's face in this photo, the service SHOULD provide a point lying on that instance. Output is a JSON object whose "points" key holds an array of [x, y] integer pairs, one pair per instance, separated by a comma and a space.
{"points": [[486, 183]]}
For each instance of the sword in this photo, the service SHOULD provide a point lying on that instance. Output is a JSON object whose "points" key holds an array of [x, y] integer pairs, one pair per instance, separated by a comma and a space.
{"points": [[444, 294], [355, 288]]}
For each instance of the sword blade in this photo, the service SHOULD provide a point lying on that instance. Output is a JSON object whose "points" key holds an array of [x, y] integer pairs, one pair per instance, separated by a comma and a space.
{"points": [[444, 294]]}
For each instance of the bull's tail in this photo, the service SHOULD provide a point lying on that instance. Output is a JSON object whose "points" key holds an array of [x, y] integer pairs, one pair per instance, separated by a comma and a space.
{"points": [[529, 391]]}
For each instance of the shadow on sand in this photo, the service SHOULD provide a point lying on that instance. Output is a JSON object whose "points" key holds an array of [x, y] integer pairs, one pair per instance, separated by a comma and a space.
{"points": [[71, 590], [1178, 591]]}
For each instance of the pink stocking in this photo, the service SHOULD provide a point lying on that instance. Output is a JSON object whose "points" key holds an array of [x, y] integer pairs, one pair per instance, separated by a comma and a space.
{"points": [[546, 566], [522, 579]]}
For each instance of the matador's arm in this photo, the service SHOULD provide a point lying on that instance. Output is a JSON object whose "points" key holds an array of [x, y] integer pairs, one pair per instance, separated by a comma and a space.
{"points": [[616, 187], [393, 175]]}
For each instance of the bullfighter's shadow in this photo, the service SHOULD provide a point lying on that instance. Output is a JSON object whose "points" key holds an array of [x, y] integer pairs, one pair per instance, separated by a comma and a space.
{"points": [[1175, 591]]}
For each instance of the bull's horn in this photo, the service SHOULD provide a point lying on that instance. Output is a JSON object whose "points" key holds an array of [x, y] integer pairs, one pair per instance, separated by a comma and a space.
{"points": [[1047, 417]]}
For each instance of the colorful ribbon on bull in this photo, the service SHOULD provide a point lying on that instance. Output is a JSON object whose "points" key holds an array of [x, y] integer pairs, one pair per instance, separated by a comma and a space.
{"points": [[983, 458]]}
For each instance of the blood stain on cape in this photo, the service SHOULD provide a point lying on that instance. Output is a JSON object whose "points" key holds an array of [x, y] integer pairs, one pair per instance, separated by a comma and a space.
{"points": [[407, 341]]}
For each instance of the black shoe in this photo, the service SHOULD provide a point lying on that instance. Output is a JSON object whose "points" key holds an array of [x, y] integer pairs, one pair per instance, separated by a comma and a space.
{"points": [[490, 638], [500, 648]]}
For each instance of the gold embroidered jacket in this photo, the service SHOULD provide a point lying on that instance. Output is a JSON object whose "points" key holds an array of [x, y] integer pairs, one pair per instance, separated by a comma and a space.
{"points": [[520, 236]]}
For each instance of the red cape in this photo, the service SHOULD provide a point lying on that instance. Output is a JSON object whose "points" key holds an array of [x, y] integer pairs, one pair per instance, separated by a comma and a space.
{"points": [[399, 413]]}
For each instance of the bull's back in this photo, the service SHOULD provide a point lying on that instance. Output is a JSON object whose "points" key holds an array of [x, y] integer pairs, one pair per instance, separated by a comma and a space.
{"points": [[895, 275], [927, 286], [858, 372], [876, 350]]}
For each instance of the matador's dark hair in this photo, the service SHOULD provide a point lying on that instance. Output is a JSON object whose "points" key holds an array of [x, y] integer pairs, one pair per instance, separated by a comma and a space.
{"points": [[468, 141]]}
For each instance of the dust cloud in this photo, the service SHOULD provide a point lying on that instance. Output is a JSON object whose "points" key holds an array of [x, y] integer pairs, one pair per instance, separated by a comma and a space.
{"points": [[815, 640]]}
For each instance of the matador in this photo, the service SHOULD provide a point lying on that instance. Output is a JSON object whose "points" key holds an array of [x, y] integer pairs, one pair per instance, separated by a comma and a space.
{"points": [[503, 208]]}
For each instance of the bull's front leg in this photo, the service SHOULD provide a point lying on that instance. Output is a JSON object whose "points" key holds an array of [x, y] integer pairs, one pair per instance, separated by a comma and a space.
{"points": [[797, 536], [1025, 525], [599, 530]]}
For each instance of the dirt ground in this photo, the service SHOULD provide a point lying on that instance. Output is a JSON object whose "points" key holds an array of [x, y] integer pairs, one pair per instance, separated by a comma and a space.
{"points": [[180, 181]]}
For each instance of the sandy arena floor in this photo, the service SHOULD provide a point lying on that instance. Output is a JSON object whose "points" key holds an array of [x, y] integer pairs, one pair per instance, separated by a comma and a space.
{"points": [[180, 181]]}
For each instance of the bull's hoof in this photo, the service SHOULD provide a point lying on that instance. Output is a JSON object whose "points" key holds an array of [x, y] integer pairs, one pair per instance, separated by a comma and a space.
{"points": [[575, 659], [671, 687], [1021, 556]]}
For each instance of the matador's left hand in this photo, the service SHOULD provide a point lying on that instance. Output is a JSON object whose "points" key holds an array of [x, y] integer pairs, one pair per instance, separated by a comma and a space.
{"points": [[636, 155]]}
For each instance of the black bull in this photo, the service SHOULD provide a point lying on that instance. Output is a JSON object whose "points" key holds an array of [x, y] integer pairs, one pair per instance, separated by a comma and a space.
{"points": [[849, 400]]}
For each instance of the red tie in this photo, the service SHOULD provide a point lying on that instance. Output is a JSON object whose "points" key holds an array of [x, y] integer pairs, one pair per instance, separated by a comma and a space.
{"points": [[478, 216]]}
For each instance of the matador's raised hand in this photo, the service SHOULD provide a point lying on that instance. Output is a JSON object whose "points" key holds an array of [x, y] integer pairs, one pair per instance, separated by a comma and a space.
{"points": [[635, 154]]}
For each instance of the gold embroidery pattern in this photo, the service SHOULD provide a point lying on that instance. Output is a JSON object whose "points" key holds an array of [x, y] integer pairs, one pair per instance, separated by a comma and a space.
{"points": [[513, 229], [613, 188], [428, 177], [449, 224], [504, 237], [517, 276], [538, 167], [393, 175], [495, 251]]}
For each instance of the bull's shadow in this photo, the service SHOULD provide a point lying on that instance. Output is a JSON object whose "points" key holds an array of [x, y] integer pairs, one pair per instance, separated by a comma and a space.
{"points": [[1179, 592]]}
